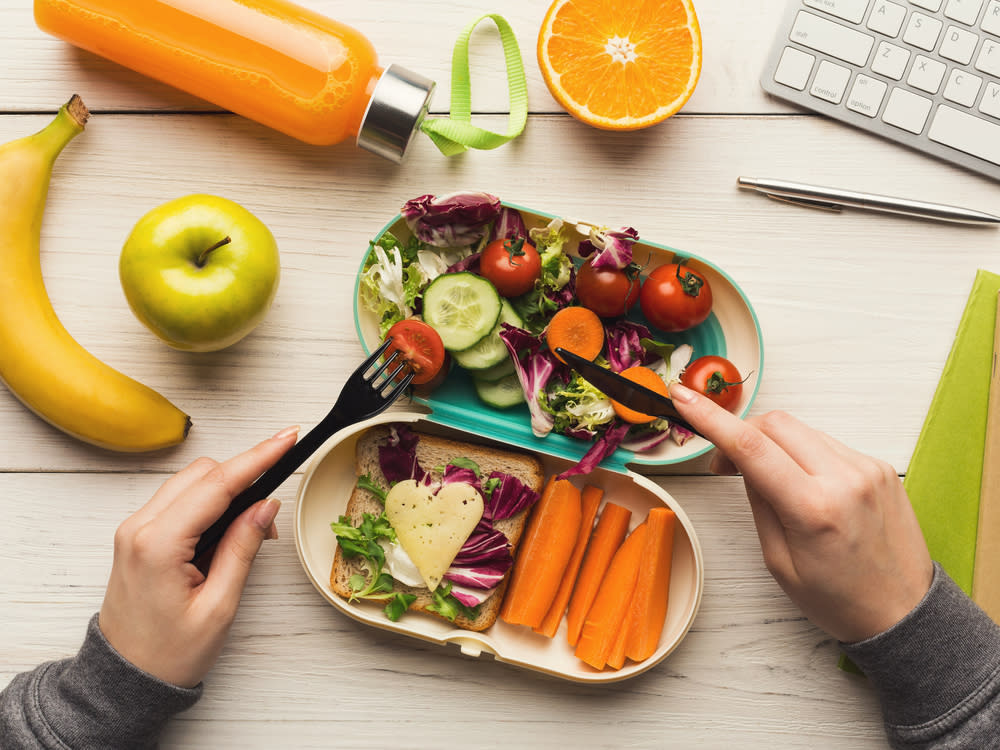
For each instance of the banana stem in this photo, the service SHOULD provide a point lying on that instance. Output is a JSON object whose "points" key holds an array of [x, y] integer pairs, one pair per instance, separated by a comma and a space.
{"points": [[68, 123]]}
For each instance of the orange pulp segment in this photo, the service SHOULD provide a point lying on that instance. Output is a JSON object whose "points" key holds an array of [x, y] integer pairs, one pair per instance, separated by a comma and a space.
{"points": [[620, 64]]}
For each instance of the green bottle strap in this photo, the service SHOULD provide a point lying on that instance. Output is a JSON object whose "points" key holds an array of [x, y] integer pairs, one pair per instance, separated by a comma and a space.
{"points": [[456, 133]]}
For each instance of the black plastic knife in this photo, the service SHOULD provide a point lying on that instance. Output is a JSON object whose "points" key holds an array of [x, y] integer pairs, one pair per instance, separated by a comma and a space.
{"points": [[624, 391]]}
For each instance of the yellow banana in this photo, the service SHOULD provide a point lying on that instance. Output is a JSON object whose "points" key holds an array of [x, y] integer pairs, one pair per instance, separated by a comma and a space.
{"points": [[40, 361]]}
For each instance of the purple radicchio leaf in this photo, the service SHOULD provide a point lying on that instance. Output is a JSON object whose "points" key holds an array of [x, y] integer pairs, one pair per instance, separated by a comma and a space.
{"points": [[610, 248], [397, 456], [647, 441], [533, 370], [470, 597], [509, 497], [483, 560], [453, 220], [468, 263], [464, 474], [624, 344], [680, 435], [603, 447], [508, 225]]}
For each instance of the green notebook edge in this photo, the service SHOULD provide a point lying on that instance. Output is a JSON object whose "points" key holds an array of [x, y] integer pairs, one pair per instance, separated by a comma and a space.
{"points": [[946, 468]]}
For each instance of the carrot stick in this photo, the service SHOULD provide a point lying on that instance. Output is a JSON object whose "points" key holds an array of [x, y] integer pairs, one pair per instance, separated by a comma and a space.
{"points": [[543, 555], [591, 501], [576, 329], [604, 620], [616, 657], [648, 610], [607, 537]]}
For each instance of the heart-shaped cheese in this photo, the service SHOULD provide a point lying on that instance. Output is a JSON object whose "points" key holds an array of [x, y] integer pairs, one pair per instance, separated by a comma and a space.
{"points": [[432, 528]]}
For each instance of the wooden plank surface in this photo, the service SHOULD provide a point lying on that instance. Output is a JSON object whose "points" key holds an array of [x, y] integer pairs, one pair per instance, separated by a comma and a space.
{"points": [[858, 313]]}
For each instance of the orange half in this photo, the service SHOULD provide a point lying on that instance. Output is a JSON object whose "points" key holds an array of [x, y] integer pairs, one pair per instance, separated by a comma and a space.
{"points": [[620, 64]]}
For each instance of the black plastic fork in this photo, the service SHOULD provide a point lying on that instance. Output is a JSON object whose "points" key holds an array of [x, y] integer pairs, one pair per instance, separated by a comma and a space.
{"points": [[362, 397]]}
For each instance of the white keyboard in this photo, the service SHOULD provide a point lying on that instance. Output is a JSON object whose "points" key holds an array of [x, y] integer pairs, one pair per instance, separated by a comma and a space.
{"points": [[924, 73]]}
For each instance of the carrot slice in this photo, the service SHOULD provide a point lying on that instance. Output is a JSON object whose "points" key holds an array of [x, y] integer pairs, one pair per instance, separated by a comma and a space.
{"points": [[648, 610], [543, 555], [575, 329], [646, 377], [591, 500], [607, 613], [606, 539], [616, 657]]}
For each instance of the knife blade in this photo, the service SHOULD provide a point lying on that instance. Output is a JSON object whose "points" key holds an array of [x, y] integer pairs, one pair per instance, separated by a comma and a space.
{"points": [[624, 391]]}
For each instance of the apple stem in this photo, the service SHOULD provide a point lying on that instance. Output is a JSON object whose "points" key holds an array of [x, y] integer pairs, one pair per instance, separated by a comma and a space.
{"points": [[203, 258]]}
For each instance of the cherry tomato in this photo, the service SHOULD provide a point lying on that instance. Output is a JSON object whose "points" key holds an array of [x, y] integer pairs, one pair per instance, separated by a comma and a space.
{"points": [[609, 292], [715, 377], [512, 265], [418, 344], [675, 297]]}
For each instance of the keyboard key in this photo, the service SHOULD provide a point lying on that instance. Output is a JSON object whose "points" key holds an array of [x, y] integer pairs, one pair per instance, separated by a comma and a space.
{"points": [[934, 5], [831, 38], [989, 58], [849, 10], [887, 18], [906, 110], [890, 60], [966, 133], [926, 74], [990, 104], [991, 18], [866, 95], [963, 87], [959, 45], [963, 11], [922, 31], [794, 68], [830, 82]]}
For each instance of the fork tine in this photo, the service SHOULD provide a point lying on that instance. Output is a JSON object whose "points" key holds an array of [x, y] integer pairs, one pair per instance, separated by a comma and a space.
{"points": [[373, 357], [391, 395], [392, 376], [382, 367]]}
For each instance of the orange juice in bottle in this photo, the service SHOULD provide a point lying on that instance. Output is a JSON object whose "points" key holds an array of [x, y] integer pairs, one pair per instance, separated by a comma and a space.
{"points": [[282, 65]]}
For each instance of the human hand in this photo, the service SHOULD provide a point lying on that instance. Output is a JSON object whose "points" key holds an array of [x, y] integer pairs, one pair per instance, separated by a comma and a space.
{"points": [[836, 528], [160, 611]]}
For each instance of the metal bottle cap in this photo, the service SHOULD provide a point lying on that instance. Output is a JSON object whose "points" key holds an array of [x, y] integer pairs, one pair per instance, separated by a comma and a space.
{"points": [[397, 106]]}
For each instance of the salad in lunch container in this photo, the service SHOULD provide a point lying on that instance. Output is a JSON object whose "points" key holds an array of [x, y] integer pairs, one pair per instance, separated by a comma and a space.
{"points": [[471, 286]]}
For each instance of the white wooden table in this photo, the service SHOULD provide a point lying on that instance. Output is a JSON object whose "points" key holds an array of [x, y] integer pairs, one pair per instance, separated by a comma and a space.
{"points": [[858, 313]]}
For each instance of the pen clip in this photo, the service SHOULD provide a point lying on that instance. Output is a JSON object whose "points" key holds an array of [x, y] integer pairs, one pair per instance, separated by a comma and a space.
{"points": [[807, 202]]}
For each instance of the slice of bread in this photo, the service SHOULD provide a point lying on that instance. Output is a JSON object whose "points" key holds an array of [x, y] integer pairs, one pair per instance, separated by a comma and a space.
{"points": [[433, 451]]}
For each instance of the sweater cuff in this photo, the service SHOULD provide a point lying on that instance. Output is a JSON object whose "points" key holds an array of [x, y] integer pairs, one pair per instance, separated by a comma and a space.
{"points": [[934, 659], [112, 700]]}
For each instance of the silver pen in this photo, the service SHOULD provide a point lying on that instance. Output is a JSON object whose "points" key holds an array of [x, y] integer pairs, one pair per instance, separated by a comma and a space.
{"points": [[833, 199]]}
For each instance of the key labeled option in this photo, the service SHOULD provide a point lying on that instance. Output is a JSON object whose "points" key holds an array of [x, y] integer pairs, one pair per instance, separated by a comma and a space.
{"points": [[866, 95]]}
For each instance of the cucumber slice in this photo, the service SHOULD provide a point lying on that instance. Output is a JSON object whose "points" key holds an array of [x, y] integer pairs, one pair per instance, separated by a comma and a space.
{"points": [[502, 394], [493, 374], [462, 308], [490, 351]]}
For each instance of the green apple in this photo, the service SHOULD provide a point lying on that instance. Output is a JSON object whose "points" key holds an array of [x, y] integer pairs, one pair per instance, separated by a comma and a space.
{"points": [[200, 272]]}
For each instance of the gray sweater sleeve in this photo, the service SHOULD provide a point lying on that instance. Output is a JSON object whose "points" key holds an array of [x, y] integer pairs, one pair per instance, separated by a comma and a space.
{"points": [[95, 701], [937, 672]]}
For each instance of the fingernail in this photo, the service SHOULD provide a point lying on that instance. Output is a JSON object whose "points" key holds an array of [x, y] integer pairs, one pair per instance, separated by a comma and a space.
{"points": [[266, 512], [286, 433], [682, 393]]}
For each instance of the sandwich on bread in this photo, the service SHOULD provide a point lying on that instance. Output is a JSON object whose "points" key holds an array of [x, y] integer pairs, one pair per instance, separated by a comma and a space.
{"points": [[433, 524]]}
